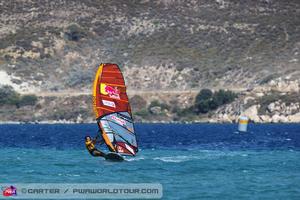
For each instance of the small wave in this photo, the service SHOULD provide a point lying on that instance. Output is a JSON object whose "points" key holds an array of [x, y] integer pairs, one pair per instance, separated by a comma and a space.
{"points": [[204, 155], [70, 175], [76, 175], [176, 159], [64, 165], [135, 159]]}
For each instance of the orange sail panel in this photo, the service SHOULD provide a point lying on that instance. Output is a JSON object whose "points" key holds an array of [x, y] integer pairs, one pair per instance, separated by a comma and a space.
{"points": [[109, 91], [112, 110]]}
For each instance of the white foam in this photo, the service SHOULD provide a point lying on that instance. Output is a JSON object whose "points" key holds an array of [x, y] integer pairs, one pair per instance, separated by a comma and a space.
{"points": [[75, 175], [203, 155], [135, 159], [176, 159]]}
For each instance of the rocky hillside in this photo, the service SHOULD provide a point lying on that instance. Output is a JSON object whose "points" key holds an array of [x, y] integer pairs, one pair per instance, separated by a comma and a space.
{"points": [[278, 101], [164, 46]]}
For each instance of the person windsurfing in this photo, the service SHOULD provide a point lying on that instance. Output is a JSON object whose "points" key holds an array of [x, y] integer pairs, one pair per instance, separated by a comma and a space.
{"points": [[90, 145]]}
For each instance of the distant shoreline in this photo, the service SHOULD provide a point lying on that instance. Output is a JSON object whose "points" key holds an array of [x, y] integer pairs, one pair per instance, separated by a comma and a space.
{"points": [[140, 122]]}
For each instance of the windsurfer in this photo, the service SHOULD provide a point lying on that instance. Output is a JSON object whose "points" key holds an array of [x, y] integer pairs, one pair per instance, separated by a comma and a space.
{"points": [[90, 145]]}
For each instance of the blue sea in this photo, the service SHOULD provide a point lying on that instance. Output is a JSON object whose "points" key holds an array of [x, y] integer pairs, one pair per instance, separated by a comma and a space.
{"points": [[196, 161]]}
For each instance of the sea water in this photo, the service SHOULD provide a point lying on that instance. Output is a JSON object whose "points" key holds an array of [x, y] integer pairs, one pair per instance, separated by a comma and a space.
{"points": [[198, 161]]}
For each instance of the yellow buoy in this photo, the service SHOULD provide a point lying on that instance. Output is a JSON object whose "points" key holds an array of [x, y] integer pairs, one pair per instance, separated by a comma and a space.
{"points": [[243, 123]]}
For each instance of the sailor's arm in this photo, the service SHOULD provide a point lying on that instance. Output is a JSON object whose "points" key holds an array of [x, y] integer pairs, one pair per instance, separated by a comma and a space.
{"points": [[98, 139]]}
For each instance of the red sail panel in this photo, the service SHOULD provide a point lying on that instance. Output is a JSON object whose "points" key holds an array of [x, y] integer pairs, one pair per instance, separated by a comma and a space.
{"points": [[109, 91], [126, 149]]}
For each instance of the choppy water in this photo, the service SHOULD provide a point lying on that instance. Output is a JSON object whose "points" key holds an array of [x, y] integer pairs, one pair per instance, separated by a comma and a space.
{"points": [[199, 161]]}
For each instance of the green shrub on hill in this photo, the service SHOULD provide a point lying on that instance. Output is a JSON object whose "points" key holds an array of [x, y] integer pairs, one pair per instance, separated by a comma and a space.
{"points": [[137, 103], [142, 113], [206, 100], [222, 97], [156, 103], [157, 108], [204, 94], [8, 96], [28, 100], [74, 32]]}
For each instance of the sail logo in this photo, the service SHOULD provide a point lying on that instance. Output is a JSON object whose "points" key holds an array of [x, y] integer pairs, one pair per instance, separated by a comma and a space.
{"points": [[111, 91], [118, 120], [109, 103], [9, 191], [120, 149]]}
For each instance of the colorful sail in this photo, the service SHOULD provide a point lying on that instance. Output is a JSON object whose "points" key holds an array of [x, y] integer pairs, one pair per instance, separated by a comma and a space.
{"points": [[112, 110]]}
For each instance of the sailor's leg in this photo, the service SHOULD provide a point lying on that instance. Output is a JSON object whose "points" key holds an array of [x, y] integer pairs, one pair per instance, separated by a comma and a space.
{"points": [[97, 153]]}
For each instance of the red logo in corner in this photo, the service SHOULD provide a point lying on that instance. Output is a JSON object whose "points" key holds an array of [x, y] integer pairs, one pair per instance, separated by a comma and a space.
{"points": [[113, 92], [10, 191]]}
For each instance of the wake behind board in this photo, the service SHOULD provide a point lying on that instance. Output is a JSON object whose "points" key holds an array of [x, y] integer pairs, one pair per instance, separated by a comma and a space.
{"points": [[114, 157]]}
